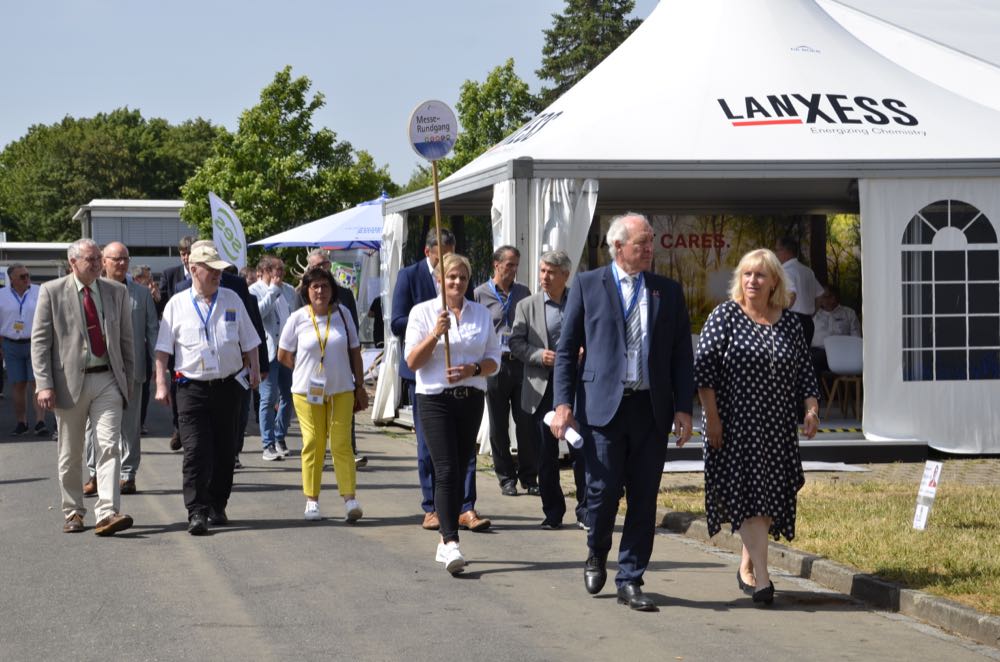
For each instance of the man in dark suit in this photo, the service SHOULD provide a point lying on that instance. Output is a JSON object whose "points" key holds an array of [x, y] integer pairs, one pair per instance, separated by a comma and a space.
{"points": [[415, 284], [635, 381], [169, 280]]}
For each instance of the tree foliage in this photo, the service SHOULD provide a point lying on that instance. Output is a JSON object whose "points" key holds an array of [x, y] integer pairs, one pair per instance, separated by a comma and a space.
{"points": [[580, 38], [51, 171], [277, 170]]}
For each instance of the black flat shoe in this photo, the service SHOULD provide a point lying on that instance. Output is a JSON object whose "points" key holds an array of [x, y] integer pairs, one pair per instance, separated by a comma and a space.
{"points": [[764, 595], [594, 574], [630, 594], [746, 588]]}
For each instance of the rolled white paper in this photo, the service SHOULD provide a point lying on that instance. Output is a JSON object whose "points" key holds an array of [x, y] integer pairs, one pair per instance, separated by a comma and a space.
{"points": [[573, 437]]}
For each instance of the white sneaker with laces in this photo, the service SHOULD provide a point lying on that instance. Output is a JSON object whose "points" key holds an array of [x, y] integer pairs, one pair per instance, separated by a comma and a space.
{"points": [[450, 555], [352, 510], [312, 511], [270, 455]]}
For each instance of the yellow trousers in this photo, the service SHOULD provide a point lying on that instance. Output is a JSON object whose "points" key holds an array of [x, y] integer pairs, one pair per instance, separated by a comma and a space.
{"points": [[330, 420]]}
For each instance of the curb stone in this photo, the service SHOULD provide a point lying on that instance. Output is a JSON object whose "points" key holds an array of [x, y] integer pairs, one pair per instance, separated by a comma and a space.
{"points": [[878, 593]]}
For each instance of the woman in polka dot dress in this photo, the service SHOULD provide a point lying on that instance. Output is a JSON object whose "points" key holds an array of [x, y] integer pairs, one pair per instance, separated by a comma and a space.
{"points": [[751, 366]]}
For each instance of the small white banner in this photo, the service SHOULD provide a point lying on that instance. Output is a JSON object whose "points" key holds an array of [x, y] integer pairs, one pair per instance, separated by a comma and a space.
{"points": [[926, 494], [227, 232]]}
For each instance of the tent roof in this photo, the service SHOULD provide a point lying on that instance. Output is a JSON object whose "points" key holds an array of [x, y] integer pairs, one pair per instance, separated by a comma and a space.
{"points": [[649, 123], [357, 227]]}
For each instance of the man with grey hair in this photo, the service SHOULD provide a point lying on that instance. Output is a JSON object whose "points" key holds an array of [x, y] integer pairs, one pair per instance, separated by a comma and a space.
{"points": [[634, 383], [537, 326], [84, 363]]}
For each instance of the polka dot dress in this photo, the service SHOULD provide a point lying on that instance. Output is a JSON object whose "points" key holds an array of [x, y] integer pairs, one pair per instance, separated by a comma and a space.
{"points": [[759, 373]]}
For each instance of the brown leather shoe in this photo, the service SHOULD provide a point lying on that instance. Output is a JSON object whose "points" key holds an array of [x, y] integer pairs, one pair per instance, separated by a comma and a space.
{"points": [[112, 524], [471, 520], [175, 441], [74, 524], [431, 522], [90, 487], [127, 486]]}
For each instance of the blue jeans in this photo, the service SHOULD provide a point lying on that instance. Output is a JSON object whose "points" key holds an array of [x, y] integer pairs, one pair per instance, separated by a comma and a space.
{"points": [[277, 388]]}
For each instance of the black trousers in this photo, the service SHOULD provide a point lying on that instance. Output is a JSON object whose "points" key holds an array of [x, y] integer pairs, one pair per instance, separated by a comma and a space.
{"points": [[503, 396], [553, 499], [450, 423], [207, 418]]}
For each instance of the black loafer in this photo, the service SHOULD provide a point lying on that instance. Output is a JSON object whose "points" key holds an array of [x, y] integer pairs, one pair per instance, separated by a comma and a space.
{"points": [[551, 525], [217, 516], [509, 489], [198, 525], [533, 490], [631, 594], [594, 574], [765, 595], [746, 588]]}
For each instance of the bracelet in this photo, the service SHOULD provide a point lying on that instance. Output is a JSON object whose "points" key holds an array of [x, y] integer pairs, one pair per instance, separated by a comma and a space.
{"points": [[814, 412]]}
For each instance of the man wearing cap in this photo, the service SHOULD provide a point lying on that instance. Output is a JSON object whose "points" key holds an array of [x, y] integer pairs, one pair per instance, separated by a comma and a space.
{"points": [[208, 331], [82, 355], [17, 309]]}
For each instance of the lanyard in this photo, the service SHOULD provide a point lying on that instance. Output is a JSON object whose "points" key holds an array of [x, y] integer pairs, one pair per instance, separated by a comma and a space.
{"points": [[322, 341], [636, 288], [504, 304], [20, 301], [204, 319]]}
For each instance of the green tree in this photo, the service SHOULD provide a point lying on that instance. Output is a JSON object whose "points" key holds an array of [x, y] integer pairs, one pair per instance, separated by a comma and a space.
{"points": [[53, 169], [580, 38], [278, 171]]}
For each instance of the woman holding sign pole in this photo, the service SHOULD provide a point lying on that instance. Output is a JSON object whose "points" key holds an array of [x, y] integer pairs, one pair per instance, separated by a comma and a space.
{"points": [[752, 366], [319, 344], [450, 397]]}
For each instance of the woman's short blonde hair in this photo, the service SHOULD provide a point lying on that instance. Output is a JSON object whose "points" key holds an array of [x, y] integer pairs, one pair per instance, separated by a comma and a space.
{"points": [[452, 260], [780, 296]]}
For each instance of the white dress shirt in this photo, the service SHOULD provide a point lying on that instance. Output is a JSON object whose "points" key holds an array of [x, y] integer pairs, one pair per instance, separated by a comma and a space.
{"points": [[841, 321], [17, 311], [300, 337], [229, 333], [471, 341], [802, 281]]}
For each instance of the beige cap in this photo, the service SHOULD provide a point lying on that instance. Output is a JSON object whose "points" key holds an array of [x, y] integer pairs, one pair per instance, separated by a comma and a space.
{"points": [[204, 252]]}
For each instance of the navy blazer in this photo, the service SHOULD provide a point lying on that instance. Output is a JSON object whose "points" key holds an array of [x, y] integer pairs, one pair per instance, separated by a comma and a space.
{"points": [[594, 320], [414, 284]]}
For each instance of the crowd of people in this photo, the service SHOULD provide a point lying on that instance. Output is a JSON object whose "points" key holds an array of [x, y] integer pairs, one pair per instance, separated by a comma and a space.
{"points": [[608, 358]]}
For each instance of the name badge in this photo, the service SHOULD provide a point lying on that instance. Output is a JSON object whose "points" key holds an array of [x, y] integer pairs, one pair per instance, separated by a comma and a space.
{"points": [[632, 366], [209, 360], [316, 392], [19, 326], [230, 315], [505, 334]]}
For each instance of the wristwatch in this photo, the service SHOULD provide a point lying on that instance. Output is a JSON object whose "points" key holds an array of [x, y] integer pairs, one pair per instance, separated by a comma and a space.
{"points": [[478, 369]]}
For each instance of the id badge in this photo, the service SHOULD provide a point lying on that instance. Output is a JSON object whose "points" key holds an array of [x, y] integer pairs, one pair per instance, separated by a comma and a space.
{"points": [[505, 333], [632, 365], [209, 360], [317, 390], [19, 326]]}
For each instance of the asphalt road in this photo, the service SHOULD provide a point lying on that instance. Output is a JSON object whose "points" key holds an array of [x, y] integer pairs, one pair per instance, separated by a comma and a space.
{"points": [[272, 586]]}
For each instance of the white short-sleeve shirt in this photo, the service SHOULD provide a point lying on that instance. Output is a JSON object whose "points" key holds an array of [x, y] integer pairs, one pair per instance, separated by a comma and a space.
{"points": [[228, 332], [803, 282], [471, 341], [300, 337], [17, 312]]}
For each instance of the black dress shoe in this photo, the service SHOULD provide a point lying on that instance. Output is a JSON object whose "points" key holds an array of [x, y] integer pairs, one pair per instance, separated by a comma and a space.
{"points": [[198, 525], [631, 594], [508, 489], [764, 595], [551, 525], [533, 490], [594, 574], [217, 516], [746, 588]]}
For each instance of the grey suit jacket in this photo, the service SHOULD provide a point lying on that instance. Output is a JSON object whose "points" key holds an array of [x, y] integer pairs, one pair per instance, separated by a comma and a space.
{"points": [[528, 341], [59, 339], [145, 327]]}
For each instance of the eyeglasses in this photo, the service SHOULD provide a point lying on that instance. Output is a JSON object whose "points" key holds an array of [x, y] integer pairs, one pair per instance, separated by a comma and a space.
{"points": [[91, 260], [117, 260], [23, 276]]}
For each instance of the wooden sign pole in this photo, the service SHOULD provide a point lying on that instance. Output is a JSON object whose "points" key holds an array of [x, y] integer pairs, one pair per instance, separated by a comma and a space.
{"points": [[440, 247]]}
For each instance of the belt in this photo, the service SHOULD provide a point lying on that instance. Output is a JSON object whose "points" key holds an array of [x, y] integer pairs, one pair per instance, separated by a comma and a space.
{"points": [[504, 356], [209, 382], [629, 392], [96, 369], [19, 341], [460, 392]]}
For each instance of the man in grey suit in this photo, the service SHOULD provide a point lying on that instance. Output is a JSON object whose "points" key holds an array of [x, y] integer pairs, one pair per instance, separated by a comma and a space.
{"points": [[537, 324], [83, 359], [144, 330]]}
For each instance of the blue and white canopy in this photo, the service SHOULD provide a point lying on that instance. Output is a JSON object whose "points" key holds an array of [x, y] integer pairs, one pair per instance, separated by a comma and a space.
{"points": [[358, 227]]}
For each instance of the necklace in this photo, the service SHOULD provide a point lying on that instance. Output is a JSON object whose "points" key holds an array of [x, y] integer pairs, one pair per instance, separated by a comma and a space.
{"points": [[763, 339]]}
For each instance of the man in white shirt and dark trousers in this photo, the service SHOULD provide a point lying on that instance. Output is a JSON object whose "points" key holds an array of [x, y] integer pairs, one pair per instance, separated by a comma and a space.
{"points": [[501, 295], [802, 282], [17, 309], [208, 331]]}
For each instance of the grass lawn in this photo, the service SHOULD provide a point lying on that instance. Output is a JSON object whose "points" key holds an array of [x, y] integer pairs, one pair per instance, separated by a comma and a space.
{"points": [[868, 525]]}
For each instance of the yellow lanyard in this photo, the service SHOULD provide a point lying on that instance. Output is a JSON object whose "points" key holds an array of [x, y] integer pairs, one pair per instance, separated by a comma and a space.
{"points": [[322, 341]]}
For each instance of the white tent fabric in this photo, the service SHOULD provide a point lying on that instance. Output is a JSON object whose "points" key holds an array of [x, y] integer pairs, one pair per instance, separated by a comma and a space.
{"points": [[939, 63], [358, 227], [387, 391], [559, 217], [931, 316]]}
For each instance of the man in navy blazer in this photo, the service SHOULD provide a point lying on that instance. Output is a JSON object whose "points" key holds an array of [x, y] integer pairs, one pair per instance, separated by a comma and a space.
{"points": [[415, 284], [633, 384]]}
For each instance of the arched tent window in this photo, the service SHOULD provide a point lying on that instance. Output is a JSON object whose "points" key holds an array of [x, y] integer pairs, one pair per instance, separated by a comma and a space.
{"points": [[951, 294]]}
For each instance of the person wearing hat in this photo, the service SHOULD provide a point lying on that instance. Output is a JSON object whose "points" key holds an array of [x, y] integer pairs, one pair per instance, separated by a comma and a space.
{"points": [[208, 331]]}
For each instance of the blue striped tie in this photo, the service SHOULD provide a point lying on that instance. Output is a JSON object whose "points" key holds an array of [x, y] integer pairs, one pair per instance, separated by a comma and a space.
{"points": [[633, 330]]}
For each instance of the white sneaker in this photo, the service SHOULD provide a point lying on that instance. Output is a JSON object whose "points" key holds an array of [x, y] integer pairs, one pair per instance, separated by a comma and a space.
{"points": [[270, 455], [352, 509], [312, 511], [450, 556]]}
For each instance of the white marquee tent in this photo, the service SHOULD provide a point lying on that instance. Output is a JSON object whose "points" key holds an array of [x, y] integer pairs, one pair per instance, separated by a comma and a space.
{"points": [[772, 106]]}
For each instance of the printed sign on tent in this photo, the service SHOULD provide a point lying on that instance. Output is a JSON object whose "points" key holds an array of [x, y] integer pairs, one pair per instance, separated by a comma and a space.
{"points": [[227, 232]]}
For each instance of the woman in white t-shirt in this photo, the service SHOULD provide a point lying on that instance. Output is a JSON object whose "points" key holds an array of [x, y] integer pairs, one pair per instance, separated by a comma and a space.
{"points": [[320, 345], [450, 399]]}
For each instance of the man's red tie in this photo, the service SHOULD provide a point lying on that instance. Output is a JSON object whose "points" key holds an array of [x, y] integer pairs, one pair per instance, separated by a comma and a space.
{"points": [[97, 345]]}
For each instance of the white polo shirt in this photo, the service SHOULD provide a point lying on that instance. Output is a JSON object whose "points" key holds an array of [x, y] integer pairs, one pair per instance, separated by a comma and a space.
{"points": [[471, 341], [301, 338], [17, 311], [226, 331]]}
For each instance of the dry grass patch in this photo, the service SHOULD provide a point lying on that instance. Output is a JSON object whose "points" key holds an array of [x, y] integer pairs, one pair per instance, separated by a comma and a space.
{"points": [[868, 525]]}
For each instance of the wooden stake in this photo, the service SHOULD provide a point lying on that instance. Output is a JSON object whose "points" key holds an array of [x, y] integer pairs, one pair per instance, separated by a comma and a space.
{"points": [[437, 230]]}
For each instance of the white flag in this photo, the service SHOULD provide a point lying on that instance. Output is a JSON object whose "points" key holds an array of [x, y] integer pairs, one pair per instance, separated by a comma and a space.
{"points": [[227, 232]]}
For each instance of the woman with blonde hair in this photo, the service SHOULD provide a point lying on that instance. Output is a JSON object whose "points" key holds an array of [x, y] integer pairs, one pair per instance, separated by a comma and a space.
{"points": [[752, 368]]}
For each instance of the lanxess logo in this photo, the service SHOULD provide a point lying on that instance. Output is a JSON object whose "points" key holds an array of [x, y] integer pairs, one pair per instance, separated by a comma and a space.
{"points": [[835, 109]]}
